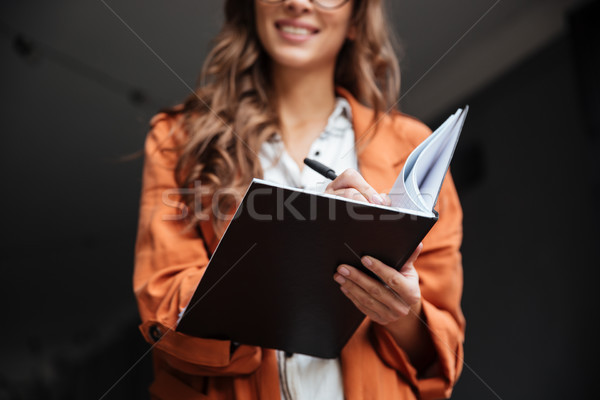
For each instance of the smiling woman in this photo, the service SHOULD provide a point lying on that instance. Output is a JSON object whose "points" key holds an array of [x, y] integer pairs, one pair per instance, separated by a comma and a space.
{"points": [[286, 79], [307, 43]]}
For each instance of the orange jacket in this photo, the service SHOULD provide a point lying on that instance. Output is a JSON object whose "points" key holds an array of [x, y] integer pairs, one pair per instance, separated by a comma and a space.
{"points": [[169, 265]]}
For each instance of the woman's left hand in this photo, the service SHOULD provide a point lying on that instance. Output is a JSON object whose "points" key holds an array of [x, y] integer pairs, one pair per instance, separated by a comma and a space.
{"points": [[387, 302], [395, 304]]}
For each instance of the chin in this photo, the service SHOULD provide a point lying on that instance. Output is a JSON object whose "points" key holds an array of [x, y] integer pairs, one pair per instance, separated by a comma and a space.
{"points": [[293, 62], [299, 60]]}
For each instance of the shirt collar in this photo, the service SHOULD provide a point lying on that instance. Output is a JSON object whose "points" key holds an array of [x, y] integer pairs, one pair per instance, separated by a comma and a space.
{"points": [[338, 122]]}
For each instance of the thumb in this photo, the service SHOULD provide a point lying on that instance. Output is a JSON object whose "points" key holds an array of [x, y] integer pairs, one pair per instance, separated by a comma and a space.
{"points": [[408, 268]]}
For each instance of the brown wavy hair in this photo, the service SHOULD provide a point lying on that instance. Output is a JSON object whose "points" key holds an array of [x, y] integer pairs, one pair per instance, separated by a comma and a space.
{"points": [[231, 114]]}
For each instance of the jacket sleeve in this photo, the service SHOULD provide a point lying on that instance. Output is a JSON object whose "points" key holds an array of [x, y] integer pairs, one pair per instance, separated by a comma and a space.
{"points": [[169, 263], [440, 274]]}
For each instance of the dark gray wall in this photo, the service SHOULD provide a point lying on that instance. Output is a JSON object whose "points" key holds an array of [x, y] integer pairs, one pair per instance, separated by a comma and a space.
{"points": [[531, 235], [69, 221]]}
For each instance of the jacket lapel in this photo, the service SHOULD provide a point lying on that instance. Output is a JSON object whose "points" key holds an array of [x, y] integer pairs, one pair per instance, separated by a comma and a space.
{"points": [[378, 161]]}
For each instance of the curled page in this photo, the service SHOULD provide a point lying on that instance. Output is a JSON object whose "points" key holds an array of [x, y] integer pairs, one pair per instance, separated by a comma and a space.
{"points": [[418, 185], [430, 169]]}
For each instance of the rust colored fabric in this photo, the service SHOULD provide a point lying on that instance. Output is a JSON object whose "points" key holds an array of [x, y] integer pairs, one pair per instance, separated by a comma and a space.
{"points": [[169, 264]]}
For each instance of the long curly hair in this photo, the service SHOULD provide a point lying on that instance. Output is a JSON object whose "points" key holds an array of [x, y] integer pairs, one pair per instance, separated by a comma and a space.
{"points": [[231, 114]]}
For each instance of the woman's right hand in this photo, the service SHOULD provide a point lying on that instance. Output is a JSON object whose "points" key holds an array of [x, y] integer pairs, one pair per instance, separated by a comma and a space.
{"points": [[352, 185]]}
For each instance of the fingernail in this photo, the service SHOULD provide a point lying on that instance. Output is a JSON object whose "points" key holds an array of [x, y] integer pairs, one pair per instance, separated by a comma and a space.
{"points": [[367, 261], [377, 199], [344, 271], [388, 200], [339, 279]]}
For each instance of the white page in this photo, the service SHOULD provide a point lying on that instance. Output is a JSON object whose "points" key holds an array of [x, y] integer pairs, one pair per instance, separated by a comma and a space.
{"points": [[404, 193], [424, 163], [431, 167]]}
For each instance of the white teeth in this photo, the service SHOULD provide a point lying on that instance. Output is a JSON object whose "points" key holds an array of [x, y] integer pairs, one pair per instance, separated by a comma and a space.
{"points": [[295, 30]]}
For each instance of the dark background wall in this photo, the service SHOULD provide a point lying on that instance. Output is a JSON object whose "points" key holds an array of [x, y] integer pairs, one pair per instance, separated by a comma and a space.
{"points": [[531, 242], [74, 105]]}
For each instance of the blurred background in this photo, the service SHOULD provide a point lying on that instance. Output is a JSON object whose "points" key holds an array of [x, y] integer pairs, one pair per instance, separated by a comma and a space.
{"points": [[80, 80]]}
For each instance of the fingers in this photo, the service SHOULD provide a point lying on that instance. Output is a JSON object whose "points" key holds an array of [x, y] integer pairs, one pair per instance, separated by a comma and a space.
{"points": [[374, 315], [415, 254], [383, 302], [411, 260], [405, 285], [352, 185], [349, 193], [373, 299], [386, 199]]}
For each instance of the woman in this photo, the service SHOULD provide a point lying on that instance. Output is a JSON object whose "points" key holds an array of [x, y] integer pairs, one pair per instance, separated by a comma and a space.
{"points": [[288, 79]]}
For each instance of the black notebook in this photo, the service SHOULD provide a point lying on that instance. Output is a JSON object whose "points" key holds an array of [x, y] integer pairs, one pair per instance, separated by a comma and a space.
{"points": [[270, 281]]}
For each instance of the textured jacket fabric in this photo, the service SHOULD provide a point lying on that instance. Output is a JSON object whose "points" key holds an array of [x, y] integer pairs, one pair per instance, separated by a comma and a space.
{"points": [[169, 264]]}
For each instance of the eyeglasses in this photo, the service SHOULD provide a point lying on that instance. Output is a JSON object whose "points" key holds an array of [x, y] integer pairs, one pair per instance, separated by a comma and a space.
{"points": [[324, 4]]}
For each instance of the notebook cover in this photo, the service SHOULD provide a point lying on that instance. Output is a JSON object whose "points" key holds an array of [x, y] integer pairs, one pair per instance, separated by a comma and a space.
{"points": [[270, 281]]}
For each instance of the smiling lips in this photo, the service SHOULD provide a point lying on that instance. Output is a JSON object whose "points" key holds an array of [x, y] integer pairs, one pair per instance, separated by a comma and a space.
{"points": [[295, 30]]}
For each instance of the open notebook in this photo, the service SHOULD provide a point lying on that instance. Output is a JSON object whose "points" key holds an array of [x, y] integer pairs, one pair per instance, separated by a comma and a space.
{"points": [[270, 282]]}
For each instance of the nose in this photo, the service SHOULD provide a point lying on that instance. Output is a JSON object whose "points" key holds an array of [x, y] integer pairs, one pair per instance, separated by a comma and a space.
{"points": [[299, 6]]}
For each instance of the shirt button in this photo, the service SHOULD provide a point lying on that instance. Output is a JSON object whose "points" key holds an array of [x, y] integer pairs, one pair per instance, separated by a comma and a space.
{"points": [[317, 153]]}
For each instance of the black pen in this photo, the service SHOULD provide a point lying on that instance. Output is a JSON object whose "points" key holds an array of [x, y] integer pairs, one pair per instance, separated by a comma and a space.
{"points": [[320, 168]]}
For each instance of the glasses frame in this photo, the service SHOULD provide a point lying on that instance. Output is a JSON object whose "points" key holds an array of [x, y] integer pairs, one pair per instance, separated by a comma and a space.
{"points": [[317, 3]]}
